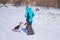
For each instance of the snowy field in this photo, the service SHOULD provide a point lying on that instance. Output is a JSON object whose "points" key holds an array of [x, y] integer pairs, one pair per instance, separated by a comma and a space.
{"points": [[46, 23]]}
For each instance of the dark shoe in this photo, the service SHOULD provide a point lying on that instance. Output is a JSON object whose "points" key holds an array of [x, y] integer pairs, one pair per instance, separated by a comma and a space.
{"points": [[30, 33]]}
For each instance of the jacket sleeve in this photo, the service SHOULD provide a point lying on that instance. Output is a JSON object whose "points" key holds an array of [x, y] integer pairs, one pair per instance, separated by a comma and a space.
{"points": [[26, 14], [33, 14]]}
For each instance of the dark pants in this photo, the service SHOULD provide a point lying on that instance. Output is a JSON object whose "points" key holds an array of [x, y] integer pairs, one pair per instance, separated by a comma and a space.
{"points": [[28, 23], [29, 28]]}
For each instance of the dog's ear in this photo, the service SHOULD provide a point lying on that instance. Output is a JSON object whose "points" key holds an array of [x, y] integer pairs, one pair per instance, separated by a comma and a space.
{"points": [[21, 23]]}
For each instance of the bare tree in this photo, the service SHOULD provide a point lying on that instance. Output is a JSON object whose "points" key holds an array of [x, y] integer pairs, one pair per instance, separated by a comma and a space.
{"points": [[18, 2]]}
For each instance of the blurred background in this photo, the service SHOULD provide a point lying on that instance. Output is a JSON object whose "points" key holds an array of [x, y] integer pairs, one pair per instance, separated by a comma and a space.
{"points": [[46, 23], [47, 3]]}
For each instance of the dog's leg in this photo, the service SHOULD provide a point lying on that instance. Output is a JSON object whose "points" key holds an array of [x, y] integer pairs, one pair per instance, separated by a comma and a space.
{"points": [[20, 28]]}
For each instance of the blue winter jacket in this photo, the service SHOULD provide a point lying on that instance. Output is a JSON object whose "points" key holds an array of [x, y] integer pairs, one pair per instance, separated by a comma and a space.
{"points": [[31, 14]]}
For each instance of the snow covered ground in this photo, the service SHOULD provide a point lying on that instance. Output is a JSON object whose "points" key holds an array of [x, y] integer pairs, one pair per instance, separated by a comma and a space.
{"points": [[46, 23]]}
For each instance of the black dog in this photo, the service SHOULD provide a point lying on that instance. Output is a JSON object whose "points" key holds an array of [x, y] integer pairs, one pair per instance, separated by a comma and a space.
{"points": [[16, 28]]}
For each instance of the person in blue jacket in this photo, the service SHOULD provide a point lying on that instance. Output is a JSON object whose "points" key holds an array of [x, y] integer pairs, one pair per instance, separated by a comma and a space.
{"points": [[29, 19]]}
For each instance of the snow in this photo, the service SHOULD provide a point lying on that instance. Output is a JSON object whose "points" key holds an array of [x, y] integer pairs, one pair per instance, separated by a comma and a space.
{"points": [[46, 23]]}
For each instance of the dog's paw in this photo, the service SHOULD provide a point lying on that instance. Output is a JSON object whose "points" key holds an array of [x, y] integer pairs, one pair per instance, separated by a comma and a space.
{"points": [[16, 30]]}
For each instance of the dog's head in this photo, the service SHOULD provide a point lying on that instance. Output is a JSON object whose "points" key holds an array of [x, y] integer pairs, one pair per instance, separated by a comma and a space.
{"points": [[21, 23]]}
